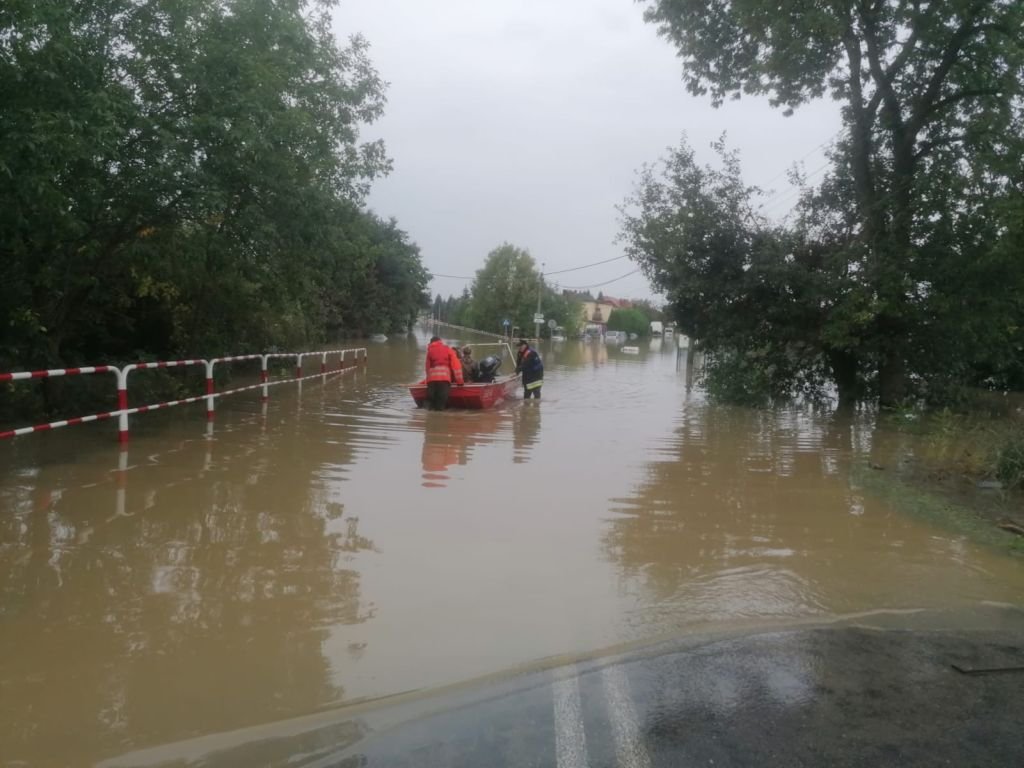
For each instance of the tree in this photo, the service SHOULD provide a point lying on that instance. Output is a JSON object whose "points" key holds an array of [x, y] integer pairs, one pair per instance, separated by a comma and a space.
{"points": [[630, 321], [751, 294], [189, 178], [505, 288], [651, 312], [920, 83], [565, 310]]}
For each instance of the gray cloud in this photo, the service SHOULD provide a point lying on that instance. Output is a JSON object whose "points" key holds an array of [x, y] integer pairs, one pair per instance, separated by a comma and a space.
{"points": [[525, 120]]}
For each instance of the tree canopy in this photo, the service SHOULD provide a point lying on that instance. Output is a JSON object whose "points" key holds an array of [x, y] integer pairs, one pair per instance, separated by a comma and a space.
{"points": [[630, 321], [507, 287], [927, 166], [188, 177]]}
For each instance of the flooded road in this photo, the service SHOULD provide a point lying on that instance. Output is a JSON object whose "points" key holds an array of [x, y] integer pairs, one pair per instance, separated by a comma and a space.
{"points": [[344, 545]]}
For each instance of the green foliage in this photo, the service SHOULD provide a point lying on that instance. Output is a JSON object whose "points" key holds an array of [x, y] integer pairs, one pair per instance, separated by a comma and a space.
{"points": [[1009, 462], [507, 287], [651, 311], [752, 294], [454, 309], [566, 311], [731, 378], [630, 321], [932, 107], [188, 178]]}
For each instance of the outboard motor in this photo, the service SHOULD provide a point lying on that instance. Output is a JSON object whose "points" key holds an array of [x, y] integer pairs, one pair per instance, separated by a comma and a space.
{"points": [[488, 368]]}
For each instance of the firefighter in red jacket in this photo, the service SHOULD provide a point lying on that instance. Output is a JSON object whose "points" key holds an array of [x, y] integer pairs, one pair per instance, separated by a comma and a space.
{"points": [[443, 367]]}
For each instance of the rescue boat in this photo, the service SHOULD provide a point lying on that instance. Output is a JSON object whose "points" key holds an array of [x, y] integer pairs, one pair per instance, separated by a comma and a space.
{"points": [[476, 395]]}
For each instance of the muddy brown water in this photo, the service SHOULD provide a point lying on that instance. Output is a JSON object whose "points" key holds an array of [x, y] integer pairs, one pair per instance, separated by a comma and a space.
{"points": [[343, 545]]}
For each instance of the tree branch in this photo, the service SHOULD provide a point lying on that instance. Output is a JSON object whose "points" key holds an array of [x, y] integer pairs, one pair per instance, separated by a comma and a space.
{"points": [[897, 64], [966, 93], [883, 79], [925, 104]]}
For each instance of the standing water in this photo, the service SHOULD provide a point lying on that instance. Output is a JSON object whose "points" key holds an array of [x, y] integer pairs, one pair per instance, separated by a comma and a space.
{"points": [[344, 545]]}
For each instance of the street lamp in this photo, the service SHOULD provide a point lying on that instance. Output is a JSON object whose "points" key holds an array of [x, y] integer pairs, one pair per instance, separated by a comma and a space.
{"points": [[536, 317]]}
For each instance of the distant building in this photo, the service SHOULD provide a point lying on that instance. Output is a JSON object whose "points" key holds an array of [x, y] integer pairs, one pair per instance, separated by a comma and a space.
{"points": [[596, 314]]}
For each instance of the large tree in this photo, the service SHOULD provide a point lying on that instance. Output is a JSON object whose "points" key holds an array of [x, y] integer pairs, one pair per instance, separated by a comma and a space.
{"points": [[506, 288], [773, 313], [188, 177], [921, 83]]}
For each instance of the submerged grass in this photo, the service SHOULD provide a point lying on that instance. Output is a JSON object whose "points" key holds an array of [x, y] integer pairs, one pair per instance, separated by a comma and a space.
{"points": [[966, 472], [977, 445], [938, 508]]}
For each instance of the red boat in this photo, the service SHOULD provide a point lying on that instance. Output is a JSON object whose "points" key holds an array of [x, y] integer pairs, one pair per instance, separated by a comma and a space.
{"points": [[475, 395]]}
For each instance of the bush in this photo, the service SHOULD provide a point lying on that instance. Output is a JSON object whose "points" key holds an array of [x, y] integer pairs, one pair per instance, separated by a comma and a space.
{"points": [[1009, 463], [735, 379], [630, 321], [763, 375]]}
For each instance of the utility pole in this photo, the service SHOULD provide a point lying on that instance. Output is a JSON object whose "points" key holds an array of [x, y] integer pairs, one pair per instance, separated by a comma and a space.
{"points": [[540, 284]]}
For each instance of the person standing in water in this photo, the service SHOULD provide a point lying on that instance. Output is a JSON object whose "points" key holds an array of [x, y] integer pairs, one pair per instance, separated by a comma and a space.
{"points": [[529, 364], [443, 367]]}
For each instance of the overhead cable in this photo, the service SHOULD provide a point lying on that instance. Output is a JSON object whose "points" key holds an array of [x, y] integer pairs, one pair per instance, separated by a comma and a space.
{"points": [[598, 285]]}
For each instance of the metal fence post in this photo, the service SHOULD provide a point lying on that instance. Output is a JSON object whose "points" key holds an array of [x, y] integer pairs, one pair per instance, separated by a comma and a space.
{"points": [[122, 403], [264, 377], [209, 390]]}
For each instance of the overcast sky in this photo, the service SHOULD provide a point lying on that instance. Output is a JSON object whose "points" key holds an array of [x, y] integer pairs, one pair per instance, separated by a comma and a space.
{"points": [[525, 121]]}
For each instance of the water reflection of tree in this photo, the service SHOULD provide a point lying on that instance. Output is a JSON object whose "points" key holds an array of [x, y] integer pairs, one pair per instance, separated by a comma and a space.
{"points": [[206, 611], [742, 516]]}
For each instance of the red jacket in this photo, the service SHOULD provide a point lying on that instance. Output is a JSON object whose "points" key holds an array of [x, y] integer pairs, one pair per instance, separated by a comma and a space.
{"points": [[443, 363]]}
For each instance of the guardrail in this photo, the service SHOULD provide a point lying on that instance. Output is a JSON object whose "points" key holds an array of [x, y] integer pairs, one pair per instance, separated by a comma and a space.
{"points": [[23, 375], [210, 396], [470, 330]]}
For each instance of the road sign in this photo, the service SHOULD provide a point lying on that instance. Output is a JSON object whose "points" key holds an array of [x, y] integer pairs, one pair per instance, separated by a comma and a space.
{"points": [[506, 322], [538, 318], [552, 323]]}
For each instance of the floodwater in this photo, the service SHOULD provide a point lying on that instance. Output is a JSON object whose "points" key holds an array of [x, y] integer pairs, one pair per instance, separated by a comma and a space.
{"points": [[342, 545]]}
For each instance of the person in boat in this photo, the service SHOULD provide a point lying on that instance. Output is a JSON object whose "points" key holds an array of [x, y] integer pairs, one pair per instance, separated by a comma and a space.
{"points": [[470, 368], [443, 368], [529, 364]]}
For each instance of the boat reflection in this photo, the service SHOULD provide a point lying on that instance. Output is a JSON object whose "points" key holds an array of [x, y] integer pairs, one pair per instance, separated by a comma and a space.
{"points": [[451, 437]]}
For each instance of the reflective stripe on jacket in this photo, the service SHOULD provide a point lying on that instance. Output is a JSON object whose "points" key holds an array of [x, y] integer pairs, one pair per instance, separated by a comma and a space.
{"points": [[443, 363]]}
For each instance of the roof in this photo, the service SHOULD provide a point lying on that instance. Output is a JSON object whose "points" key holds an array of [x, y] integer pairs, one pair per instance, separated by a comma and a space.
{"points": [[617, 303]]}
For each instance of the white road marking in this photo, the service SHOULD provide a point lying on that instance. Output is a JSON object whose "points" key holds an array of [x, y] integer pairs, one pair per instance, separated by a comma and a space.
{"points": [[629, 746], [570, 740]]}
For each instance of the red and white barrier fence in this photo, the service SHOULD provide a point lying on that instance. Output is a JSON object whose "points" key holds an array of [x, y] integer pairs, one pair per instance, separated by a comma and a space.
{"points": [[23, 375], [122, 390], [124, 411]]}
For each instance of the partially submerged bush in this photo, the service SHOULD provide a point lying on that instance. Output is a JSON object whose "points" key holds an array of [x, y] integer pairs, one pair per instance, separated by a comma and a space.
{"points": [[1009, 460]]}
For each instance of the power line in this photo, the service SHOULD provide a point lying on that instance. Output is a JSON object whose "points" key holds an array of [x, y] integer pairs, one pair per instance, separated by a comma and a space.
{"points": [[556, 272], [598, 285], [777, 199], [800, 160], [585, 266]]}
